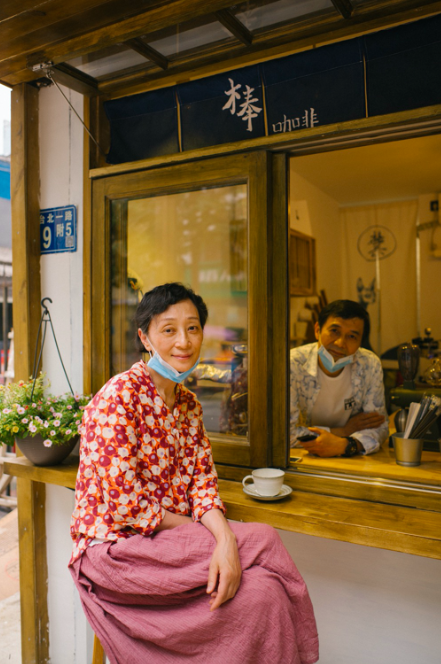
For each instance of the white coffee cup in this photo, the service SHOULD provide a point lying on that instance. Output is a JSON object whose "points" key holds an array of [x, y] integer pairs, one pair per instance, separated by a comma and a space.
{"points": [[267, 481]]}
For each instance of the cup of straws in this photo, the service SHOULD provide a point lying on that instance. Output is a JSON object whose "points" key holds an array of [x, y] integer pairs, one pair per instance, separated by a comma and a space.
{"points": [[408, 445]]}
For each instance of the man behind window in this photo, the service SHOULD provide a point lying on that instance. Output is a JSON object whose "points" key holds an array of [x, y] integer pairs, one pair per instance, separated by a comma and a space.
{"points": [[337, 387]]}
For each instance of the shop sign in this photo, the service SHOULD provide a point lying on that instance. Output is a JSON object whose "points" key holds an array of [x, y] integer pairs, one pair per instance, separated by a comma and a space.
{"points": [[58, 229]]}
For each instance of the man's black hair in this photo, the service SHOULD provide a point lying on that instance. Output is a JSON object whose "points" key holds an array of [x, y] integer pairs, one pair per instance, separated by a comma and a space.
{"points": [[345, 309], [159, 299]]}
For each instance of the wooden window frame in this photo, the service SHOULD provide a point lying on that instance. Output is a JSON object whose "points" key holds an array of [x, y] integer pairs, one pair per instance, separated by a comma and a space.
{"points": [[266, 177]]}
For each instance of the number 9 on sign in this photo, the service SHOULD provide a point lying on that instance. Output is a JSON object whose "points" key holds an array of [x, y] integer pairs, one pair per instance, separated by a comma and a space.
{"points": [[47, 237]]}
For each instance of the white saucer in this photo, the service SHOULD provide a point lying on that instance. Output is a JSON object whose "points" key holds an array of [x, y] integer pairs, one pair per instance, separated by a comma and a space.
{"points": [[251, 491]]}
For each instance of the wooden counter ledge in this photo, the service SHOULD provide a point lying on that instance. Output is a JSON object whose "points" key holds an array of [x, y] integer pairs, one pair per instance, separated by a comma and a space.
{"points": [[393, 527], [381, 464]]}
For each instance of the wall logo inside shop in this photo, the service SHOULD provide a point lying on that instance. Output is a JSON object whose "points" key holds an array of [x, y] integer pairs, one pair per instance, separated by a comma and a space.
{"points": [[58, 229], [376, 242], [248, 108]]}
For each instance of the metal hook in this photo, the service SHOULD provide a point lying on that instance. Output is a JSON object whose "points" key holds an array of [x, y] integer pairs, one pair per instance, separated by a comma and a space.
{"points": [[46, 310]]}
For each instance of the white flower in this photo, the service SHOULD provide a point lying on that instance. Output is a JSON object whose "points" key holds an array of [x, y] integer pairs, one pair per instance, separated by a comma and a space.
{"points": [[56, 423], [32, 428], [47, 443], [34, 405], [59, 415], [53, 433], [25, 420], [6, 411], [20, 410], [68, 432], [69, 407], [46, 424]]}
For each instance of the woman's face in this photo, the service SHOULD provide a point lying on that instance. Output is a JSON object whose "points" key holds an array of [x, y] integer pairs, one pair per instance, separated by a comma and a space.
{"points": [[176, 335]]}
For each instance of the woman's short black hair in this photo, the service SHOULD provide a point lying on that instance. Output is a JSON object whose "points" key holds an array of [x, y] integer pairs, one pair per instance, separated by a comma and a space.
{"points": [[345, 309], [159, 299]]}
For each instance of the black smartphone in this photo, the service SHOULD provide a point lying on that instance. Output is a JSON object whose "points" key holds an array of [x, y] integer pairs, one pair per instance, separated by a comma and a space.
{"points": [[307, 437]]}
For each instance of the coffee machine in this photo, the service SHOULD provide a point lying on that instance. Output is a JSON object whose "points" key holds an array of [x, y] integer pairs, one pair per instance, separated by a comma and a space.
{"points": [[408, 362]]}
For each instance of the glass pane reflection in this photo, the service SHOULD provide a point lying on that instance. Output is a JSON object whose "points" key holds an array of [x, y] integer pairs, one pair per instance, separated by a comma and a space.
{"points": [[256, 16], [199, 238], [108, 61]]}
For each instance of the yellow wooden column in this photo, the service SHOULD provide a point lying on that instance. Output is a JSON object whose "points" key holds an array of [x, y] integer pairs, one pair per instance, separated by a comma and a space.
{"points": [[25, 208]]}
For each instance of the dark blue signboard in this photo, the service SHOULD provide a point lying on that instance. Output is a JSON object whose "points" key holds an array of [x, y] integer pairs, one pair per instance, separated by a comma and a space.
{"points": [[316, 87], [142, 126], [221, 109], [404, 67], [58, 229]]}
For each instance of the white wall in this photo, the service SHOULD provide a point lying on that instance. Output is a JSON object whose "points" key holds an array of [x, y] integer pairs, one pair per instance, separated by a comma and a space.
{"points": [[372, 606], [315, 213], [61, 175]]}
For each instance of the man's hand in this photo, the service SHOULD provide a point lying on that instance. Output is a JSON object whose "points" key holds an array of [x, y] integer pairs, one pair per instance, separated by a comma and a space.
{"points": [[225, 571], [326, 444], [359, 423]]}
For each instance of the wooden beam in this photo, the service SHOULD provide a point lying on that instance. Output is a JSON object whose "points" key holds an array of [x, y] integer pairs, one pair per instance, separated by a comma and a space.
{"points": [[234, 26], [278, 224], [344, 7], [88, 148], [74, 79], [25, 209], [148, 52], [25, 212], [13, 55], [267, 45], [33, 572]]}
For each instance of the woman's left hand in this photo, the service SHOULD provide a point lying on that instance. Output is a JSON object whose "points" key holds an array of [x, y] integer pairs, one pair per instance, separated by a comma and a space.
{"points": [[225, 571]]}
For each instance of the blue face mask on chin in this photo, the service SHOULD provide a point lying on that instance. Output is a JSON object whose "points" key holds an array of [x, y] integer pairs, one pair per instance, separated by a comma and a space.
{"points": [[330, 364], [165, 369]]}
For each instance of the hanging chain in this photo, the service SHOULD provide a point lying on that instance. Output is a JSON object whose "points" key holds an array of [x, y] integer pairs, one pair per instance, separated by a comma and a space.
{"points": [[44, 320]]}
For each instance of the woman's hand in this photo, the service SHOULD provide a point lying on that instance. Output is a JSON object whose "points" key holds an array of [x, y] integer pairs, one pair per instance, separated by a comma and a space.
{"points": [[225, 570]]}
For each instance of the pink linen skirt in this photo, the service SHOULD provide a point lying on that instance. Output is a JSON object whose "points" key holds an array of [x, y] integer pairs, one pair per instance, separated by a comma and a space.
{"points": [[145, 598]]}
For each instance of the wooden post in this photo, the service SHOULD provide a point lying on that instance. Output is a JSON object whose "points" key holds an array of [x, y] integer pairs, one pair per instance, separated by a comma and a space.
{"points": [[279, 299], [25, 209]]}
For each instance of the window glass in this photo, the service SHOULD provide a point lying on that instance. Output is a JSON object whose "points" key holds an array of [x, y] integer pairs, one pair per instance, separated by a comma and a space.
{"points": [[198, 238]]}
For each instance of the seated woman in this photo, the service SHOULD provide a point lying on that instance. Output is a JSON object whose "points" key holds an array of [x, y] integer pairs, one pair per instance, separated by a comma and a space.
{"points": [[163, 577]]}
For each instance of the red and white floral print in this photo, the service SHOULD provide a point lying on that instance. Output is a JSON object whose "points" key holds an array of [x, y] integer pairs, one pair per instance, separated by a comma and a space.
{"points": [[138, 459]]}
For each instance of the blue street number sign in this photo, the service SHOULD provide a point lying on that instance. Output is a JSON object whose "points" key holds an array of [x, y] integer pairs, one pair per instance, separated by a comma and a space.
{"points": [[58, 229]]}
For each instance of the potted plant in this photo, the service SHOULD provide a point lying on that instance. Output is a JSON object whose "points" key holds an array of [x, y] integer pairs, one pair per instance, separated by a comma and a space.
{"points": [[45, 427]]}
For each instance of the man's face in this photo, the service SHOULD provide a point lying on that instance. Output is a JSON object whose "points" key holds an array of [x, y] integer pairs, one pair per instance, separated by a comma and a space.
{"points": [[340, 336]]}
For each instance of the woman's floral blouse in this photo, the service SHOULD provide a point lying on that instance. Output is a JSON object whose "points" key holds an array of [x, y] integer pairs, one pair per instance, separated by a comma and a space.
{"points": [[138, 459]]}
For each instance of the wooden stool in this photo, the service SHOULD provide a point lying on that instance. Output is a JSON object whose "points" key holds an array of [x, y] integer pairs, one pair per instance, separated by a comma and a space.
{"points": [[99, 656]]}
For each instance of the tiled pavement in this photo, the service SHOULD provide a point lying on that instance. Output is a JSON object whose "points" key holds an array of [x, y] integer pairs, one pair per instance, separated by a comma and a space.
{"points": [[10, 646]]}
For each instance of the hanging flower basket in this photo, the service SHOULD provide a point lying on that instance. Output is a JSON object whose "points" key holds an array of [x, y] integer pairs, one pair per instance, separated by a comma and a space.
{"points": [[35, 450], [45, 427]]}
